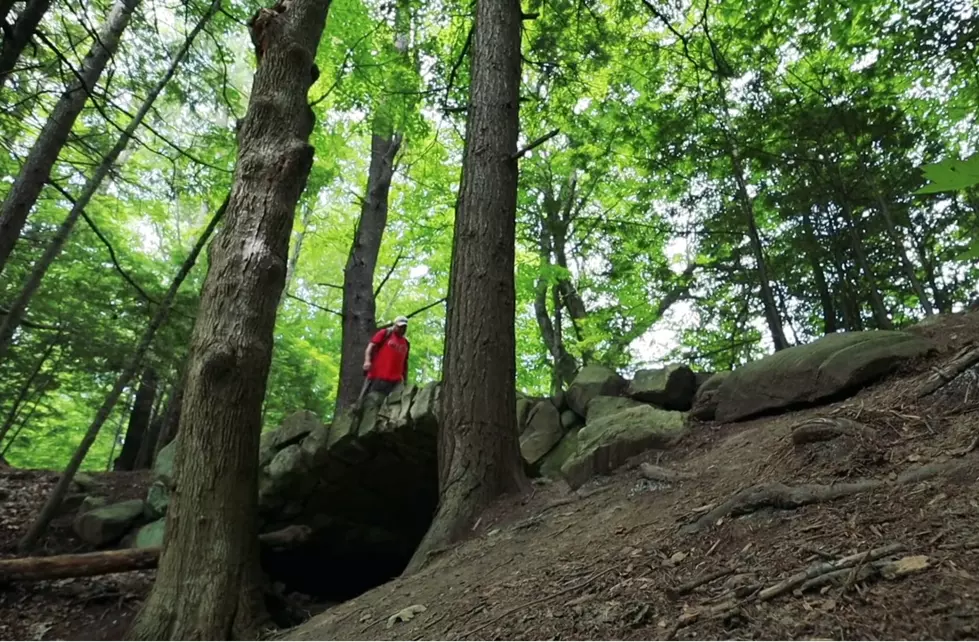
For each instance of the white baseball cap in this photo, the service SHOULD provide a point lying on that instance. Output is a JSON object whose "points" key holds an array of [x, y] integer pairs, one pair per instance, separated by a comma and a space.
{"points": [[401, 321]]}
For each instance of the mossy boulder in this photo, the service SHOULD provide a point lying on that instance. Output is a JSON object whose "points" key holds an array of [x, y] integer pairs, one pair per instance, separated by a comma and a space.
{"points": [[609, 442], [593, 381], [833, 366], [543, 432], [705, 401], [108, 524], [150, 535], [603, 406], [672, 387]]}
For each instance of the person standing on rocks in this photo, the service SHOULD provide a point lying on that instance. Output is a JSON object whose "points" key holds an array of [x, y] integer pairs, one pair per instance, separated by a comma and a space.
{"points": [[386, 359]]}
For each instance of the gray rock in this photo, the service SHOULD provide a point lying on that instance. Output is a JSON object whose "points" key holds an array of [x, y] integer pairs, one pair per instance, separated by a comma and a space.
{"points": [[593, 381], [150, 535], [108, 524], [157, 499], [91, 502], [543, 432], [705, 401], [570, 420], [603, 406], [611, 441], [84, 482], [834, 365], [672, 387], [163, 467], [550, 466]]}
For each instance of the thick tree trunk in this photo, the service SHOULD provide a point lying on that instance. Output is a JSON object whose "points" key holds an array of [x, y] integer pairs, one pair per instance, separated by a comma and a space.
{"points": [[139, 421], [147, 446], [24, 391], [822, 288], [207, 585], [17, 309], [37, 168], [20, 35], [359, 320], [53, 503], [479, 458]]}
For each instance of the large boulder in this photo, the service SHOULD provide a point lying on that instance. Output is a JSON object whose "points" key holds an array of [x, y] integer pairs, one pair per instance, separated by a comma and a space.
{"points": [[150, 535], [570, 420], [611, 441], [108, 524], [157, 499], [292, 431], [832, 366], [705, 401], [543, 432], [164, 464], [593, 381], [550, 466], [671, 387], [602, 406]]}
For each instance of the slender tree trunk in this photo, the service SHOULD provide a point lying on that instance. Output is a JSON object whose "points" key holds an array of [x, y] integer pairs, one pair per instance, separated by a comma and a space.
{"points": [[479, 458], [208, 582], [822, 288], [359, 311], [37, 168], [297, 247], [24, 391], [139, 421], [897, 238], [20, 35], [17, 309], [873, 289], [564, 365], [54, 500]]}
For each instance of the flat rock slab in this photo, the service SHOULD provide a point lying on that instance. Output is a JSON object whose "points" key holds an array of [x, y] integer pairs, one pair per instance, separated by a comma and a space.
{"points": [[107, 524], [829, 367], [544, 431]]}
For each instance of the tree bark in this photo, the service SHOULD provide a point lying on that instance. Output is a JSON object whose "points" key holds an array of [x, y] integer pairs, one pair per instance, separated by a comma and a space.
{"points": [[20, 35], [479, 458], [359, 311], [5, 7], [37, 168], [208, 582], [139, 421], [171, 416], [53, 503], [17, 309], [147, 445]]}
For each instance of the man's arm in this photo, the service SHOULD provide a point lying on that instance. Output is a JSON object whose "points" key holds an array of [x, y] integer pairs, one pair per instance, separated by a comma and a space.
{"points": [[404, 373], [372, 346]]}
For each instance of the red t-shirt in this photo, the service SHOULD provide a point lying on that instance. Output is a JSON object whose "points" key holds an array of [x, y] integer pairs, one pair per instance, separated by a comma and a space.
{"points": [[390, 356]]}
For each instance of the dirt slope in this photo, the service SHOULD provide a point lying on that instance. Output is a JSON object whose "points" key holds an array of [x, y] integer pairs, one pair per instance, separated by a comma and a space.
{"points": [[611, 561]]}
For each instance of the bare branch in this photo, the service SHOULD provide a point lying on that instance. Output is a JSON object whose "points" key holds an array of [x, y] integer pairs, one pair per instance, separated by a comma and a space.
{"points": [[310, 303], [388, 275], [536, 143]]}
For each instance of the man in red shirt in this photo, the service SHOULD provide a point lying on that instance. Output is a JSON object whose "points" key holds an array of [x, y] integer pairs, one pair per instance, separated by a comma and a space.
{"points": [[386, 359]]}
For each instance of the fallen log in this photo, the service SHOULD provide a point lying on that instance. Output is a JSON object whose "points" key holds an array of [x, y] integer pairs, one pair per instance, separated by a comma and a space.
{"points": [[659, 473], [965, 359], [57, 567]]}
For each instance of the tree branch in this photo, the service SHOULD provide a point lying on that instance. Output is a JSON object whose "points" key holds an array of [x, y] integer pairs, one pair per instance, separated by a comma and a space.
{"points": [[536, 143], [310, 303], [388, 275]]}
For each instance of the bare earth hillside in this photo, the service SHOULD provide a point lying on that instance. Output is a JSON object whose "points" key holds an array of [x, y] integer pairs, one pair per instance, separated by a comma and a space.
{"points": [[856, 519]]}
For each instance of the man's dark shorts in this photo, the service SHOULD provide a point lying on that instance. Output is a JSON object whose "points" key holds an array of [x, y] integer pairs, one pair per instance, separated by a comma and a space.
{"points": [[383, 387]]}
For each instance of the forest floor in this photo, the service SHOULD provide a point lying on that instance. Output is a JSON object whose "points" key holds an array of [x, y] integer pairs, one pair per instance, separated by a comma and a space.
{"points": [[629, 558]]}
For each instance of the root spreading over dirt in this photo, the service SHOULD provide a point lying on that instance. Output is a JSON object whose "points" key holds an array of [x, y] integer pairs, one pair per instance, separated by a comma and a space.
{"points": [[852, 520]]}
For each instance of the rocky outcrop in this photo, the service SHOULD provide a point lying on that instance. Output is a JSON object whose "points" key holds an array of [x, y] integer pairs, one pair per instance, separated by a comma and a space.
{"points": [[593, 381], [672, 387], [544, 430], [831, 366], [609, 442], [107, 524], [604, 405]]}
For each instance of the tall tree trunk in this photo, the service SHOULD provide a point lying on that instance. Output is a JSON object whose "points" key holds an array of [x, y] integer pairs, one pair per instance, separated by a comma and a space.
{"points": [[359, 311], [479, 459], [54, 500], [297, 247], [822, 288], [873, 289], [37, 168], [139, 421], [20, 35], [17, 309], [24, 391], [207, 585]]}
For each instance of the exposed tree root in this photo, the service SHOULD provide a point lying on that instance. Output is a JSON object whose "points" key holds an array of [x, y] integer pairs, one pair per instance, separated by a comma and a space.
{"points": [[777, 495], [824, 568], [826, 428], [659, 473], [965, 359]]}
